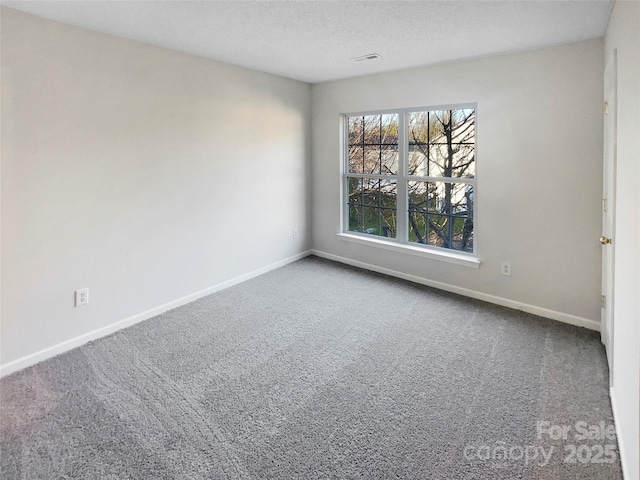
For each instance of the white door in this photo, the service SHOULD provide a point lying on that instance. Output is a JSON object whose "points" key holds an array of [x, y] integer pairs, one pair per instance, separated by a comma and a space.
{"points": [[608, 206]]}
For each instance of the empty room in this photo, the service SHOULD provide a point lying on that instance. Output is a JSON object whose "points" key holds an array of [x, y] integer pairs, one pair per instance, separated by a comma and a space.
{"points": [[269, 239]]}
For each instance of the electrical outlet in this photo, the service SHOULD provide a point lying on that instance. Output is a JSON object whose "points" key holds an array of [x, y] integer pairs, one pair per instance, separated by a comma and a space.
{"points": [[505, 268], [82, 297], [295, 233]]}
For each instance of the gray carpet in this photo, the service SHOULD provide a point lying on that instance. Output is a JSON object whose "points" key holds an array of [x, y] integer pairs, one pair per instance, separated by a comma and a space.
{"points": [[315, 370]]}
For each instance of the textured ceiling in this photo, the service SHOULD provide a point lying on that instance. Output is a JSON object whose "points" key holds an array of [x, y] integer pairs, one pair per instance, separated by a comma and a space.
{"points": [[314, 41]]}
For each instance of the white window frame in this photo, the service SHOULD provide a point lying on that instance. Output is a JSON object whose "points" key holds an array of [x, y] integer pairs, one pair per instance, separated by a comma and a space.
{"points": [[401, 243]]}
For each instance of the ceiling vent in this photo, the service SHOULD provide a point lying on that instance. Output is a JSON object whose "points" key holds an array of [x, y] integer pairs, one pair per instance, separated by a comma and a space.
{"points": [[370, 56]]}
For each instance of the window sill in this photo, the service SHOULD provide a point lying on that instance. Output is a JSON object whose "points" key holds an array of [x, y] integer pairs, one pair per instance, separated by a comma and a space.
{"points": [[425, 252]]}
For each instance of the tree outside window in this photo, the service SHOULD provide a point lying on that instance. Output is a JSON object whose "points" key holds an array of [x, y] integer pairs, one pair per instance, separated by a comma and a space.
{"points": [[413, 170]]}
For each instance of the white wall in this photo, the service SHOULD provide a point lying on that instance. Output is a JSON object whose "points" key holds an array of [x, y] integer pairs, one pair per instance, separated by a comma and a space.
{"points": [[539, 163], [144, 174], [623, 34]]}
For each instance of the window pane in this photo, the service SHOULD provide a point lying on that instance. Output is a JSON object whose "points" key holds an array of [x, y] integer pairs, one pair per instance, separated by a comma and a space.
{"points": [[372, 206], [451, 160], [389, 159], [448, 198], [418, 127], [356, 129], [355, 218], [373, 144], [441, 214], [371, 159], [438, 231], [464, 165], [418, 132], [441, 143], [356, 159], [355, 190], [379, 159], [379, 193], [417, 227], [451, 232], [417, 161], [463, 122]]}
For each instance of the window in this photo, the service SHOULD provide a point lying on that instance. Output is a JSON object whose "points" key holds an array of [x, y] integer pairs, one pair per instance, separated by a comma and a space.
{"points": [[410, 177]]}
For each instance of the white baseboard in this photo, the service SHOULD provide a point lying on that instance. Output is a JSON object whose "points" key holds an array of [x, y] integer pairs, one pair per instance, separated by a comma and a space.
{"points": [[70, 344], [67, 345], [621, 446], [505, 302]]}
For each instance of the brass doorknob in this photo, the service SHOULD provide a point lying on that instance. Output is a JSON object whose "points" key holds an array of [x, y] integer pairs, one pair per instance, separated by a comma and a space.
{"points": [[605, 240]]}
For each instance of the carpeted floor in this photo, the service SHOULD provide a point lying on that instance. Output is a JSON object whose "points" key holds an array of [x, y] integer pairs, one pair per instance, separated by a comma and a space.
{"points": [[318, 370]]}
